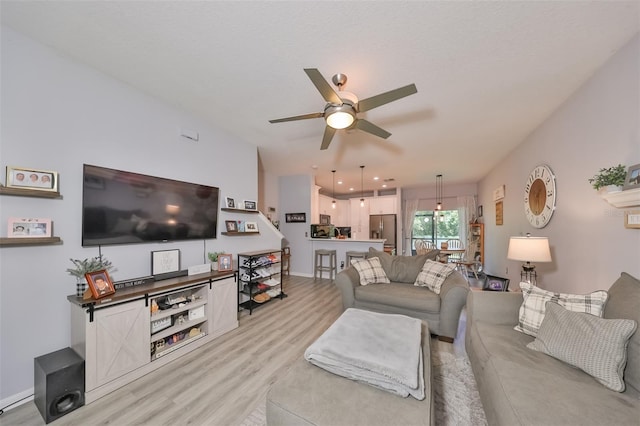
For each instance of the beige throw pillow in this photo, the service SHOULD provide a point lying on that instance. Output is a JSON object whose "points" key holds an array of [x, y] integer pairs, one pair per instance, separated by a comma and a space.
{"points": [[370, 271], [595, 345], [433, 275], [533, 307]]}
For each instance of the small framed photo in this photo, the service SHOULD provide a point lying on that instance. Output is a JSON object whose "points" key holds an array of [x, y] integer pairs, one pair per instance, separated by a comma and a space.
{"points": [[240, 225], [632, 219], [250, 205], [225, 262], [39, 180], [232, 226], [100, 284], [295, 217], [250, 227], [29, 228], [165, 261], [633, 177], [493, 283], [230, 202]]}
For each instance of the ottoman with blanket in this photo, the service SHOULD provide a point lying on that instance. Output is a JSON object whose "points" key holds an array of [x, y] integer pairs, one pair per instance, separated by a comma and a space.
{"points": [[416, 286], [366, 369]]}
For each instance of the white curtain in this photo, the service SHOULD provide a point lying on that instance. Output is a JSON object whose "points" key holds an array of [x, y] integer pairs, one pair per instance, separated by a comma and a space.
{"points": [[410, 208], [466, 215]]}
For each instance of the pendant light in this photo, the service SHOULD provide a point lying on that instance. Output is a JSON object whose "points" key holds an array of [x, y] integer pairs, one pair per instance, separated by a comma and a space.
{"points": [[333, 203], [361, 186], [439, 191]]}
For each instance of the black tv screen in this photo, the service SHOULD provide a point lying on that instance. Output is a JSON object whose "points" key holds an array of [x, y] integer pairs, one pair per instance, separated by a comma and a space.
{"points": [[121, 207]]}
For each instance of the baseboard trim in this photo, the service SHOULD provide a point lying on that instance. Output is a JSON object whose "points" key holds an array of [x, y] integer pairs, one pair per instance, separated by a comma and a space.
{"points": [[17, 400]]}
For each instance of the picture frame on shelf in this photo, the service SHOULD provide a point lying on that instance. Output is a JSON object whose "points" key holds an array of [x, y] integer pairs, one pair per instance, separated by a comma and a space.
{"points": [[230, 203], [231, 225], [32, 179], [494, 283], [295, 217], [250, 227], [165, 262], [632, 180], [240, 225], [250, 205], [100, 284], [225, 262], [29, 227]]}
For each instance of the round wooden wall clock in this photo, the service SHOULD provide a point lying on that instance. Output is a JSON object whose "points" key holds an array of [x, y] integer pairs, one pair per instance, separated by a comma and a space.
{"points": [[540, 196]]}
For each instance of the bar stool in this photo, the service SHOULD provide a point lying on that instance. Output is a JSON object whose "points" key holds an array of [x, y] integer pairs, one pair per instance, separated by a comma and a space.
{"points": [[286, 260], [354, 255], [318, 265]]}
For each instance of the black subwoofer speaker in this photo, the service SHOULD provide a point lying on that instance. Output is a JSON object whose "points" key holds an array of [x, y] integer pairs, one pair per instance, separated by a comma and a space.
{"points": [[58, 383]]}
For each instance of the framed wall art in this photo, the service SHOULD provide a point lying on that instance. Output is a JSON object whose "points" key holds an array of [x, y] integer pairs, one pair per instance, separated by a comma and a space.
{"points": [[231, 225], [100, 283], [165, 262], [633, 177], [28, 227], [499, 213], [39, 180], [250, 205], [225, 262], [295, 217], [230, 203], [250, 227]]}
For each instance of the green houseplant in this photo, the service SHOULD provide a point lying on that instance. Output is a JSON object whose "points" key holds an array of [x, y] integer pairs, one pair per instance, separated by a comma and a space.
{"points": [[213, 257], [81, 267], [613, 176]]}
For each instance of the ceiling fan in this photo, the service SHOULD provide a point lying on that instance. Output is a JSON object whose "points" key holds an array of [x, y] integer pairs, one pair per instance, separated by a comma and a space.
{"points": [[342, 107]]}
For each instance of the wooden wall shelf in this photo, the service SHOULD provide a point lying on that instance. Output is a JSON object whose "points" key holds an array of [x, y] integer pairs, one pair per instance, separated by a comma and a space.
{"points": [[237, 234], [28, 192], [622, 199], [226, 209], [29, 241]]}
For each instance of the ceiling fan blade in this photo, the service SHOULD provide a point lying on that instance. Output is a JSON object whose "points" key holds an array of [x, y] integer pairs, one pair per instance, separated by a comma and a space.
{"points": [[369, 127], [299, 117], [323, 86], [385, 98], [328, 135]]}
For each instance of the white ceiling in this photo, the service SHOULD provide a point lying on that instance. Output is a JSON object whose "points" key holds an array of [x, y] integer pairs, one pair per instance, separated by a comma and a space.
{"points": [[487, 73]]}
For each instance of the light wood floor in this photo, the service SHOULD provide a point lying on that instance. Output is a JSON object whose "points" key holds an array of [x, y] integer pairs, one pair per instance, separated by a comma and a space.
{"points": [[223, 381]]}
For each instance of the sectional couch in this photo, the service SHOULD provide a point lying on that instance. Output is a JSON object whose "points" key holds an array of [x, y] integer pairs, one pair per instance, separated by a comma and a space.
{"points": [[522, 386], [400, 296]]}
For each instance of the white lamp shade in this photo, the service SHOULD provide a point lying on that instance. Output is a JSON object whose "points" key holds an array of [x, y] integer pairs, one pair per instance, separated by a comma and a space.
{"points": [[529, 249]]}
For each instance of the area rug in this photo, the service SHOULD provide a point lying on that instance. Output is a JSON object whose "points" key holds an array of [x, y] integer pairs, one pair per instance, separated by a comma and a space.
{"points": [[456, 398]]}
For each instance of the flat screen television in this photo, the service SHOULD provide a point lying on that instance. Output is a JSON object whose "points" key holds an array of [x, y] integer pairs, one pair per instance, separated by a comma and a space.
{"points": [[120, 207]]}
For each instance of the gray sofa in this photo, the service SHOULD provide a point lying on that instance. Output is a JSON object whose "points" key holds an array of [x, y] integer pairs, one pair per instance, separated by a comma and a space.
{"points": [[519, 386], [400, 296]]}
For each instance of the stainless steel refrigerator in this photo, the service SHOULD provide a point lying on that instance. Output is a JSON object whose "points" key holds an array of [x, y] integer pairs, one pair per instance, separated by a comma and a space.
{"points": [[383, 226]]}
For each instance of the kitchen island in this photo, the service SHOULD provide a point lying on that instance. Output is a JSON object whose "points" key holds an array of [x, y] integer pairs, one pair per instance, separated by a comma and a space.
{"points": [[343, 246]]}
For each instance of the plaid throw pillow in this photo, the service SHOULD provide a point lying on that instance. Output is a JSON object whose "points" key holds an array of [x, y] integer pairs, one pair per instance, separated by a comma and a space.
{"points": [[370, 271], [533, 306], [595, 345], [433, 275]]}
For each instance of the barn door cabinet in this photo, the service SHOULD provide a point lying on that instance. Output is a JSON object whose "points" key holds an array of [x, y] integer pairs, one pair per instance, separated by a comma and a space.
{"points": [[139, 329]]}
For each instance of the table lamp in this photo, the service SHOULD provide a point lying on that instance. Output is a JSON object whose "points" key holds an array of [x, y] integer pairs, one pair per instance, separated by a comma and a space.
{"points": [[529, 249]]}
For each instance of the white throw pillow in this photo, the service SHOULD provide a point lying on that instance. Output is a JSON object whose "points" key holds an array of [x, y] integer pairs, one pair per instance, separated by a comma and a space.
{"points": [[595, 345], [534, 302], [370, 271], [433, 275]]}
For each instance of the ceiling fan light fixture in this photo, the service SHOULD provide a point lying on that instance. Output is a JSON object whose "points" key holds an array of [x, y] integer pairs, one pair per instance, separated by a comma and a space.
{"points": [[340, 117]]}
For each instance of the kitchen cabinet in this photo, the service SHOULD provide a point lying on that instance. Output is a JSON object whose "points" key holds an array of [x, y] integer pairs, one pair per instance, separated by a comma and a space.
{"points": [[383, 205], [359, 219]]}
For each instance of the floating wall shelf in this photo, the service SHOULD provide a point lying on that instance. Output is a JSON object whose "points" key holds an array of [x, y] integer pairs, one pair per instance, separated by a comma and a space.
{"points": [[623, 199]]}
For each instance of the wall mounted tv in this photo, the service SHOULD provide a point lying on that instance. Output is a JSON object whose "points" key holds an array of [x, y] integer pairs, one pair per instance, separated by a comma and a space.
{"points": [[121, 207]]}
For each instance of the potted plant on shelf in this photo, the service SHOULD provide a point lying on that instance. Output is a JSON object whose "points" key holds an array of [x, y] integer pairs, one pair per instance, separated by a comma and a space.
{"points": [[84, 266], [609, 179], [213, 257]]}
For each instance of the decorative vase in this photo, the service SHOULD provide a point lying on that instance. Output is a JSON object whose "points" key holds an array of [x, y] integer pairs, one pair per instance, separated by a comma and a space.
{"points": [[81, 287], [214, 266]]}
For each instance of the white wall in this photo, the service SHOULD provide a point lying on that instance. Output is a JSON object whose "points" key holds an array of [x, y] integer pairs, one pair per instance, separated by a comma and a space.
{"points": [[295, 197], [57, 115], [597, 127]]}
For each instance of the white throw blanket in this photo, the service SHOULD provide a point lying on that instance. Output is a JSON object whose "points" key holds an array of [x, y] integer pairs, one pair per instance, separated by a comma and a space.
{"points": [[382, 350]]}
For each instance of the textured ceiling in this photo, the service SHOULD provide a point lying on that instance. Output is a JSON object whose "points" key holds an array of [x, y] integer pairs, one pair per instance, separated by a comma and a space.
{"points": [[487, 73]]}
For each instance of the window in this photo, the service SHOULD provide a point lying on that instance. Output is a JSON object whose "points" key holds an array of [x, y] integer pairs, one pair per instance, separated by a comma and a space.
{"points": [[428, 227]]}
